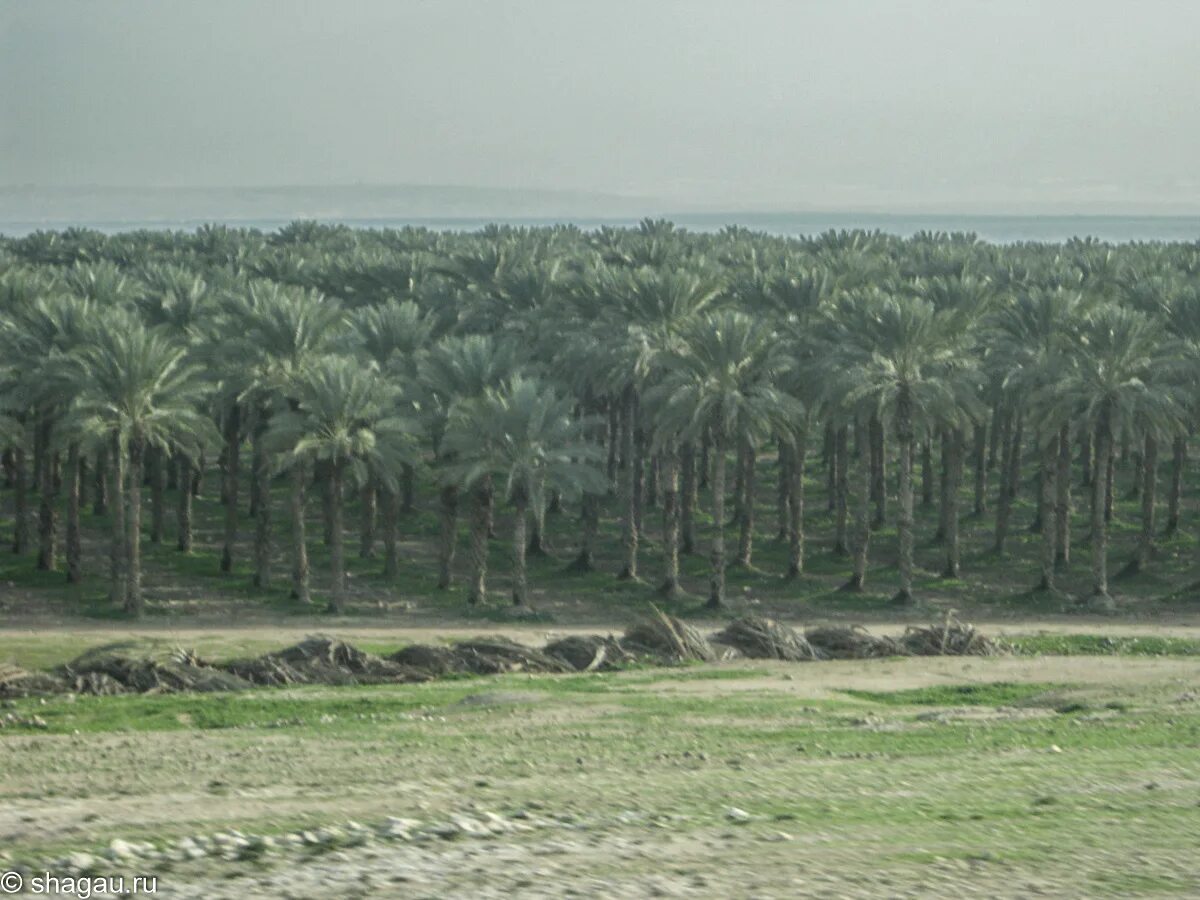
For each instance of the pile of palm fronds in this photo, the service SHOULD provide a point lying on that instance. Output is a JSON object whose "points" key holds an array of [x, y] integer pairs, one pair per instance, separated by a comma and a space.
{"points": [[951, 638], [761, 638], [590, 652], [18, 682], [666, 637], [437, 661], [851, 642], [497, 655], [145, 667], [319, 659]]}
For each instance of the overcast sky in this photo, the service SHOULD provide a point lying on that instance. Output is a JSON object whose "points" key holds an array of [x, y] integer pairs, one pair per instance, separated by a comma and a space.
{"points": [[1013, 105]]}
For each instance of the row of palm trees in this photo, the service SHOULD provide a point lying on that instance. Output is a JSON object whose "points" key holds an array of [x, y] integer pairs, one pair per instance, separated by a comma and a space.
{"points": [[543, 367]]}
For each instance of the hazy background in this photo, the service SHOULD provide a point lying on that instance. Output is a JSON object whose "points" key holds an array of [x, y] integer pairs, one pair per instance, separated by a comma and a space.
{"points": [[1020, 106]]}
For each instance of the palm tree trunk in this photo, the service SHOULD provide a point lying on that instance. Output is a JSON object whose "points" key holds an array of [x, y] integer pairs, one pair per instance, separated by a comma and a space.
{"points": [[74, 536], [705, 467], [117, 573], [783, 485], [829, 455], [1175, 499], [589, 518], [229, 487], [614, 436], [198, 474], [688, 499], [670, 522], [1085, 458], [1110, 477], [20, 502], [448, 535], [878, 470], [100, 484], [980, 463], [537, 534], [862, 516], [47, 560], [261, 496], [1103, 450], [639, 470], [1004, 498], [796, 506], [1149, 458], [321, 477], [716, 595], [408, 488], [520, 587], [83, 480], [184, 488], [389, 509], [927, 471], [368, 500], [628, 498], [296, 501], [133, 544], [841, 456], [994, 434], [905, 439], [939, 536], [746, 535], [1048, 511], [1014, 459], [337, 548], [1062, 500], [481, 505], [953, 450], [158, 508]]}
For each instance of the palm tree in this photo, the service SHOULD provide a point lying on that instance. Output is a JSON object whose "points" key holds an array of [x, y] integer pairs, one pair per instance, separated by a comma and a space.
{"points": [[460, 370], [345, 416], [270, 334], [1119, 383], [906, 360], [526, 436], [723, 381], [393, 335], [136, 389]]}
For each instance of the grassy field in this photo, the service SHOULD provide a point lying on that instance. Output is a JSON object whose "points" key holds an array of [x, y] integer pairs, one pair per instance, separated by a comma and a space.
{"points": [[1010, 776]]}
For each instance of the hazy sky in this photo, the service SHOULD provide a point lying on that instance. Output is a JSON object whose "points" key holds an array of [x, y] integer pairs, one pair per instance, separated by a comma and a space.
{"points": [[1010, 105]]}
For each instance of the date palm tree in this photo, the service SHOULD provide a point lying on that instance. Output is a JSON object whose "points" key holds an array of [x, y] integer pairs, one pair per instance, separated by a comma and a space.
{"points": [[907, 361], [1120, 382], [269, 335], [526, 437], [457, 370], [345, 415], [137, 389], [723, 380]]}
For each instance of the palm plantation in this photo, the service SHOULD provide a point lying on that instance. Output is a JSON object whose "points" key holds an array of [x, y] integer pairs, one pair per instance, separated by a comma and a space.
{"points": [[605, 405]]}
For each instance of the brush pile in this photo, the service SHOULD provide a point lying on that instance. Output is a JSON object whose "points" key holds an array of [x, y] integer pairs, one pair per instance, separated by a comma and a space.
{"points": [[951, 638], [666, 638], [760, 638], [319, 659], [851, 642], [591, 653], [148, 666], [145, 667], [498, 655], [18, 682]]}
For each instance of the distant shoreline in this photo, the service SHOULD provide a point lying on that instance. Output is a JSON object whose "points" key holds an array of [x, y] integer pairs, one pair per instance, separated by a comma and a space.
{"points": [[999, 228]]}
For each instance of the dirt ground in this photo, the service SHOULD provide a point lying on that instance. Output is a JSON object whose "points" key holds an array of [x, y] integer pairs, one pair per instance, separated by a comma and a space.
{"points": [[636, 785]]}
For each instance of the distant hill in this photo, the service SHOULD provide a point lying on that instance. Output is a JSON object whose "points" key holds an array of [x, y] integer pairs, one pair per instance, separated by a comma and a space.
{"points": [[58, 207]]}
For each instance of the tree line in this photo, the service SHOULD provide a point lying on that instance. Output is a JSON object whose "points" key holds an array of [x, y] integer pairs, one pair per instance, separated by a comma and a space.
{"points": [[547, 367]]}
